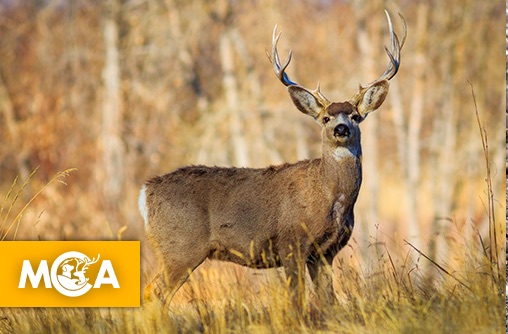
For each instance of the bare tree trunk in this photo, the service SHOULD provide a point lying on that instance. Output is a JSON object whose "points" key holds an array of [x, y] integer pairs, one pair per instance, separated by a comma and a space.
{"points": [[408, 131], [240, 150], [445, 145], [252, 104], [7, 108], [444, 160], [399, 121], [252, 76], [443, 178], [366, 40], [113, 150], [414, 128]]}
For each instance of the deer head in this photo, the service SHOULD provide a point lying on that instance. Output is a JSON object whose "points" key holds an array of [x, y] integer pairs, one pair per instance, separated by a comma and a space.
{"points": [[340, 120]]}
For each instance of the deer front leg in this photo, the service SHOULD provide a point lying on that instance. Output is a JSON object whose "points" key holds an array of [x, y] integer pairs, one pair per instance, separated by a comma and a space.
{"points": [[320, 264], [294, 268], [344, 219], [320, 270]]}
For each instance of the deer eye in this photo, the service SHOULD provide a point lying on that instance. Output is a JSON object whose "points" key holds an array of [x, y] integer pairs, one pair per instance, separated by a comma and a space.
{"points": [[326, 119], [356, 118]]}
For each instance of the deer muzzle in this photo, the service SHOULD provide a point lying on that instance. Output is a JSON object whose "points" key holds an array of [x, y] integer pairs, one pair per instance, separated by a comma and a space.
{"points": [[341, 130]]}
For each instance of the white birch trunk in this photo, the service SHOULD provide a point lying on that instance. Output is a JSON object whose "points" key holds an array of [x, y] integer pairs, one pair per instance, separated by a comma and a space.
{"points": [[113, 151], [238, 142]]}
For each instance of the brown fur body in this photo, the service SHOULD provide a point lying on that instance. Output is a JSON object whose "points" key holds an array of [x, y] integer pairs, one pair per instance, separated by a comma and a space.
{"points": [[253, 217]]}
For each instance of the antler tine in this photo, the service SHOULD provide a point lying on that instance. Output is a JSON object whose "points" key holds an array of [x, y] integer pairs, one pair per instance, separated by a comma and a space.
{"points": [[404, 30], [275, 60], [396, 46], [394, 54], [280, 69]]}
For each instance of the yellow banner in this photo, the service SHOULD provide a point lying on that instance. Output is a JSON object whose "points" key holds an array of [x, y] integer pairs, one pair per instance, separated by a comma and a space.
{"points": [[69, 274]]}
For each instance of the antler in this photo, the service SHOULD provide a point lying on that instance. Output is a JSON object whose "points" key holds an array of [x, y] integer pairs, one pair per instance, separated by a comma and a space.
{"points": [[275, 60], [280, 69], [393, 54]]}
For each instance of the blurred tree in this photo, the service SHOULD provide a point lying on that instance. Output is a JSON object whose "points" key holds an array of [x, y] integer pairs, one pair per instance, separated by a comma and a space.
{"points": [[112, 174], [124, 90], [369, 32], [20, 153], [229, 77]]}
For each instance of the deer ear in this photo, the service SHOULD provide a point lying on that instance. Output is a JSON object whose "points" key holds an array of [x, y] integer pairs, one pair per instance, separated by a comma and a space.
{"points": [[373, 97], [305, 101]]}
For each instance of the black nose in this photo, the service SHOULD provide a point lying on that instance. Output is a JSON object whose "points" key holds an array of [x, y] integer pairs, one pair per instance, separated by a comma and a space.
{"points": [[341, 130]]}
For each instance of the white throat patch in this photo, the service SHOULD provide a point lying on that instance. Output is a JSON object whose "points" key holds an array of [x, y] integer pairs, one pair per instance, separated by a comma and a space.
{"points": [[342, 152]]}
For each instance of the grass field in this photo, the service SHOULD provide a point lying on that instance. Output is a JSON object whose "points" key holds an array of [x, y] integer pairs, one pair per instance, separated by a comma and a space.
{"points": [[378, 291], [384, 298]]}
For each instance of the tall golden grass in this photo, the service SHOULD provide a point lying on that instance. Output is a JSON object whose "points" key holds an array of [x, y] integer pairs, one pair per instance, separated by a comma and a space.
{"points": [[381, 298]]}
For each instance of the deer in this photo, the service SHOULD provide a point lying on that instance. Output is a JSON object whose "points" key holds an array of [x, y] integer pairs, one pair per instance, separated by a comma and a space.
{"points": [[293, 215]]}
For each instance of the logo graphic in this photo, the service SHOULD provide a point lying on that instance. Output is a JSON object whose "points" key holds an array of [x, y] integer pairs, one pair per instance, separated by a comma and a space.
{"points": [[68, 273]]}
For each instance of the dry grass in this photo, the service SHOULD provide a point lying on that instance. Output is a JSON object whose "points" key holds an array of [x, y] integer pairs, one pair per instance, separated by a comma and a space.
{"points": [[378, 291], [384, 298]]}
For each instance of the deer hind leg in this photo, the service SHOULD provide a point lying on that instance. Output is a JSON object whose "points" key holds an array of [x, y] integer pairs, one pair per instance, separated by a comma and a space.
{"points": [[178, 253], [177, 261], [156, 288], [174, 273], [163, 288]]}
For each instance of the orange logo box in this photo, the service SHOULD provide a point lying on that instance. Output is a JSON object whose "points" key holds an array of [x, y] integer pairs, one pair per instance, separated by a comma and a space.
{"points": [[70, 274]]}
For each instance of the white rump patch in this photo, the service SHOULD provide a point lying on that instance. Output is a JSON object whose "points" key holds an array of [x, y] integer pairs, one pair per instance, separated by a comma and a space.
{"points": [[143, 209]]}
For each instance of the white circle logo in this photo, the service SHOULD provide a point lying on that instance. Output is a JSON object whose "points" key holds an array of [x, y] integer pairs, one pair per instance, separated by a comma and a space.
{"points": [[68, 273]]}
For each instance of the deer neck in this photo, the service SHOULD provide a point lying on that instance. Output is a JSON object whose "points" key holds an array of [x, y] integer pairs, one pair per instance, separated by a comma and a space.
{"points": [[341, 168]]}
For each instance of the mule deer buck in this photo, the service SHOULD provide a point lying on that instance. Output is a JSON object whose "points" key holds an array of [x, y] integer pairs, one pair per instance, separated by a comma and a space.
{"points": [[290, 215]]}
